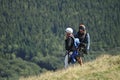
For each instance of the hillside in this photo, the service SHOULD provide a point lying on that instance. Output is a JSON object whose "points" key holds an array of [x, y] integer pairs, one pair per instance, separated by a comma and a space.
{"points": [[106, 67], [32, 32]]}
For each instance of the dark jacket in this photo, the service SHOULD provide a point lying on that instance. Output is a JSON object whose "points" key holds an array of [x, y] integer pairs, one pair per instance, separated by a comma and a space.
{"points": [[84, 40], [69, 43]]}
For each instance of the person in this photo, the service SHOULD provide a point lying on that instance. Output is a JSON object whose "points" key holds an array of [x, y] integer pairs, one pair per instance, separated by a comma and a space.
{"points": [[84, 38], [71, 45]]}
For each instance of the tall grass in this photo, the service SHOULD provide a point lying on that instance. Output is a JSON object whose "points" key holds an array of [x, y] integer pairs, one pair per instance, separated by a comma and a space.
{"points": [[105, 67]]}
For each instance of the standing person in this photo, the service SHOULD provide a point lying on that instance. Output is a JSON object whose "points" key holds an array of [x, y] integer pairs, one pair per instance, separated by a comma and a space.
{"points": [[71, 45], [84, 38]]}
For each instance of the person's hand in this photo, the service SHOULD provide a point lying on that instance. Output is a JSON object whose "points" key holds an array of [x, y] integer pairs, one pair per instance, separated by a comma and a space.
{"points": [[83, 45]]}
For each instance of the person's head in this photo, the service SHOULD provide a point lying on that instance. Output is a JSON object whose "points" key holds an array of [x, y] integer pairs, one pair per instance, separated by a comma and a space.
{"points": [[82, 28], [69, 31]]}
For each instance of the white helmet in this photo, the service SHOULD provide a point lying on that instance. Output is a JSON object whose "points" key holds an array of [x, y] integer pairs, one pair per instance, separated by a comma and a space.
{"points": [[69, 30]]}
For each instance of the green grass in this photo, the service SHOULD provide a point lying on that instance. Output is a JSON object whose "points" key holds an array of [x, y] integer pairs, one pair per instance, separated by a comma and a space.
{"points": [[105, 67]]}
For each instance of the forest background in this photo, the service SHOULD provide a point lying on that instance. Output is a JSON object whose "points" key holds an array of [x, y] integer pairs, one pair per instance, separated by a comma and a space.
{"points": [[32, 32]]}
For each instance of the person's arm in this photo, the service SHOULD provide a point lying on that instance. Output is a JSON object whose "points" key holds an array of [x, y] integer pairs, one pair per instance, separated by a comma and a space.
{"points": [[88, 41], [87, 45]]}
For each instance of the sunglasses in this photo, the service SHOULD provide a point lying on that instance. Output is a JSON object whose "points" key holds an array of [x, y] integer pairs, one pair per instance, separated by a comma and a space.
{"points": [[81, 28]]}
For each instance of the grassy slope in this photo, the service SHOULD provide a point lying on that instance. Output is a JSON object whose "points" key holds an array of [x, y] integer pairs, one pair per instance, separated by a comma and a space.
{"points": [[106, 67]]}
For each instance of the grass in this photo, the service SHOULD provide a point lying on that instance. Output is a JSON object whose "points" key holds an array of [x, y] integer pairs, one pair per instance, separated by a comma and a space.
{"points": [[105, 67]]}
